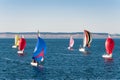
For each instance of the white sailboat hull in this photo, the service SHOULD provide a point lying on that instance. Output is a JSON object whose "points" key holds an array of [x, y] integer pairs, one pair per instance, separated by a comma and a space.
{"points": [[20, 52], [107, 56], [82, 49], [34, 64], [14, 46], [68, 47]]}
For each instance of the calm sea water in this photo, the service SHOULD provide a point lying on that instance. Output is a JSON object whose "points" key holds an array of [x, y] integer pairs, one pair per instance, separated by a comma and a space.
{"points": [[60, 63]]}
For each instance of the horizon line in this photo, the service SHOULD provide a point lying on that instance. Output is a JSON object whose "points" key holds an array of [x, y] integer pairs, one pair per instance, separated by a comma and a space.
{"points": [[50, 32]]}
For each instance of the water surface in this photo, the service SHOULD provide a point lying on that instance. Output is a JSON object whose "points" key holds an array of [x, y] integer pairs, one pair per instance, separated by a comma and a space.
{"points": [[60, 63]]}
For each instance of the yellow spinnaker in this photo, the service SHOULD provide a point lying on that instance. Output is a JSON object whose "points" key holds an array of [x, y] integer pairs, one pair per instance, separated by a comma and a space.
{"points": [[17, 38]]}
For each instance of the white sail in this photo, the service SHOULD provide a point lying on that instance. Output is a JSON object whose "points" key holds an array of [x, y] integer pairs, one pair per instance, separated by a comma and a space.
{"points": [[84, 41]]}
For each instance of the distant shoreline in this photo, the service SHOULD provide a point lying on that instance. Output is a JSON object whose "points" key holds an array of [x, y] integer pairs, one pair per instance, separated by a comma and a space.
{"points": [[56, 35]]}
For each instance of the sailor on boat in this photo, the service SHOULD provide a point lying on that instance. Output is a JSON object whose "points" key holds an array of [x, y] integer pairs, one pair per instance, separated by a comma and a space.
{"points": [[33, 60]]}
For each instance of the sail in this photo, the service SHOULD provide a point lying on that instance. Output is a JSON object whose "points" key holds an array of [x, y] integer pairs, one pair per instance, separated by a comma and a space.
{"points": [[71, 42], [39, 50], [17, 38], [87, 39], [109, 45], [22, 44], [90, 39]]}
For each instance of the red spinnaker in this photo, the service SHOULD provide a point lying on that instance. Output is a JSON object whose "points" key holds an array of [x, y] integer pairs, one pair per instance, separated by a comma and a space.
{"points": [[109, 45], [22, 44]]}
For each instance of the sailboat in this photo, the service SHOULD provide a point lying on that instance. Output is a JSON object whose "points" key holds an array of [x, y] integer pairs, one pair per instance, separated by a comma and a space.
{"points": [[86, 41], [17, 38], [39, 51], [71, 43], [22, 45], [109, 46]]}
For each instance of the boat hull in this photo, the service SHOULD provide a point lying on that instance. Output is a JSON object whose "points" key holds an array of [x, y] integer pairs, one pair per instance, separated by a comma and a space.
{"points": [[14, 46], [34, 64], [70, 48], [82, 49], [107, 56], [20, 52]]}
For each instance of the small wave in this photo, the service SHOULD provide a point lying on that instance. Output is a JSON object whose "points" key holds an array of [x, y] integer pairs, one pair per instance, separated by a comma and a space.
{"points": [[16, 61], [7, 59]]}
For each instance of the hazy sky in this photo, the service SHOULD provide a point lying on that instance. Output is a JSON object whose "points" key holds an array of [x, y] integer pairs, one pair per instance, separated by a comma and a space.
{"points": [[60, 15]]}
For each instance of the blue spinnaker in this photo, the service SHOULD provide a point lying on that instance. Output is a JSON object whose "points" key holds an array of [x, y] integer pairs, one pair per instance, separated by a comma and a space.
{"points": [[40, 49]]}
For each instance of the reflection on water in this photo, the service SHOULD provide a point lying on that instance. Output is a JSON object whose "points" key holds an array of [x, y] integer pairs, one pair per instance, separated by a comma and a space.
{"points": [[108, 60], [109, 68]]}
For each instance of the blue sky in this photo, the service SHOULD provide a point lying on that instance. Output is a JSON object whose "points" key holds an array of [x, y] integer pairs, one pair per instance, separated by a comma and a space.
{"points": [[60, 15]]}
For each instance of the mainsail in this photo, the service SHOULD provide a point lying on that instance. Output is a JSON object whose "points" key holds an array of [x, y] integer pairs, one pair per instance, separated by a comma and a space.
{"points": [[109, 45], [39, 50]]}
